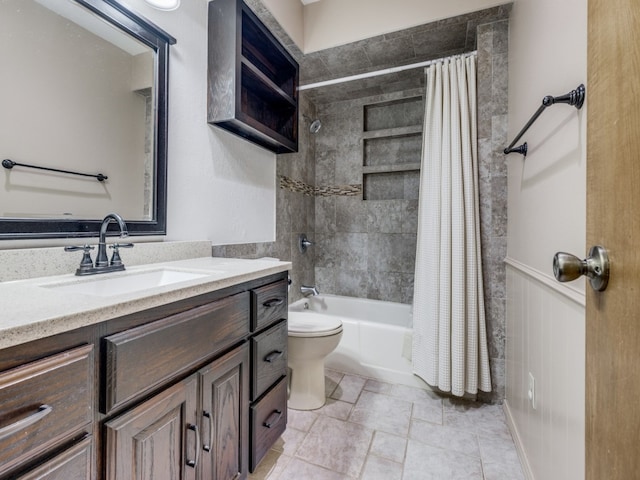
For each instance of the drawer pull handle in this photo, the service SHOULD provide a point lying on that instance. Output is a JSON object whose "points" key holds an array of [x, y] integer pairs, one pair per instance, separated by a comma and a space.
{"points": [[43, 411], [273, 418], [274, 302], [208, 416], [276, 354], [194, 463]]}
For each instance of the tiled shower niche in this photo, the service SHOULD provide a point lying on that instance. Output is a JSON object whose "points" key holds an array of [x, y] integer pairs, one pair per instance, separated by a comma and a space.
{"points": [[391, 149]]}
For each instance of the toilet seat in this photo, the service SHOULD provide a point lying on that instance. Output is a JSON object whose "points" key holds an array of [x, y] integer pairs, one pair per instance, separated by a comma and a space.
{"points": [[309, 324]]}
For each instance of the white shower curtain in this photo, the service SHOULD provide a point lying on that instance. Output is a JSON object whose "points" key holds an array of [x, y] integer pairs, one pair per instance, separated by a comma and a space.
{"points": [[450, 340]]}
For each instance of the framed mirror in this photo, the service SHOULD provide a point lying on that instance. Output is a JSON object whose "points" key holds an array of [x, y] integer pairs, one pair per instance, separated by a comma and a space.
{"points": [[83, 123]]}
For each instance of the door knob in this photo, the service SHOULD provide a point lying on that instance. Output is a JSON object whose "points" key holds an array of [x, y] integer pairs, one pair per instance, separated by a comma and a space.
{"points": [[567, 267]]}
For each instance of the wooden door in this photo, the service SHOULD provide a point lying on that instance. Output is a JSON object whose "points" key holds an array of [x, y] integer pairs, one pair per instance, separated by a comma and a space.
{"points": [[224, 387], [613, 221], [158, 439]]}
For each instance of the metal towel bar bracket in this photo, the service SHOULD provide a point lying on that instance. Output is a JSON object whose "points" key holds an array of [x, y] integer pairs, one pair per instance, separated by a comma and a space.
{"points": [[9, 164], [574, 97]]}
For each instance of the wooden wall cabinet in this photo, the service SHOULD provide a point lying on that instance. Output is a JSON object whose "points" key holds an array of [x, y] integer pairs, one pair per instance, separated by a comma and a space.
{"points": [[186, 391], [252, 79]]}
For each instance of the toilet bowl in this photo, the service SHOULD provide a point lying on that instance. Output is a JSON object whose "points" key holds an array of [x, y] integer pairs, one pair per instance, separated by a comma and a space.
{"points": [[312, 336]]}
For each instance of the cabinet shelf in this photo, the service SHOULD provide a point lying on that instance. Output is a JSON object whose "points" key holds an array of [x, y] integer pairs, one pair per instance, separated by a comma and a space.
{"points": [[265, 83], [392, 132], [400, 167], [253, 80]]}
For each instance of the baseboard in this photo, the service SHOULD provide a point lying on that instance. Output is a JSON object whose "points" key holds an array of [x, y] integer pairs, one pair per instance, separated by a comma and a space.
{"points": [[524, 461]]}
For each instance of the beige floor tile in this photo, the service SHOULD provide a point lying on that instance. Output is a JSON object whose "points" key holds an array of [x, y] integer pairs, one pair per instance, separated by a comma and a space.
{"points": [[449, 438], [300, 470], [301, 419], [271, 466], [371, 430], [389, 446], [378, 387], [382, 412], [349, 388], [377, 468], [425, 462], [289, 441], [497, 449], [337, 445], [502, 471], [336, 409], [331, 381], [429, 411]]}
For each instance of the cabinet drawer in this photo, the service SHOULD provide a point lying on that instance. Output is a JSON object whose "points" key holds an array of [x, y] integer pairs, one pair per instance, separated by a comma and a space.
{"points": [[44, 403], [72, 464], [269, 304], [268, 422], [143, 358], [268, 358]]}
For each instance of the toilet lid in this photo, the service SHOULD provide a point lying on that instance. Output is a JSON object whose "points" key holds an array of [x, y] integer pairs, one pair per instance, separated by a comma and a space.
{"points": [[309, 324]]}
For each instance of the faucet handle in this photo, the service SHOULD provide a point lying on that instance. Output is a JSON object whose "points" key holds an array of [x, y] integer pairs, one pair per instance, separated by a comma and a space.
{"points": [[86, 263], [115, 258]]}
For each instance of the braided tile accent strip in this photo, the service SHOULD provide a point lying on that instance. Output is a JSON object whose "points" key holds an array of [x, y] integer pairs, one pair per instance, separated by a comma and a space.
{"points": [[322, 191]]}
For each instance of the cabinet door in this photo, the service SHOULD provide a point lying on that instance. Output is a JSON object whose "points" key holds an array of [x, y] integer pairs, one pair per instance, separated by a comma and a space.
{"points": [[157, 439], [72, 464], [224, 386]]}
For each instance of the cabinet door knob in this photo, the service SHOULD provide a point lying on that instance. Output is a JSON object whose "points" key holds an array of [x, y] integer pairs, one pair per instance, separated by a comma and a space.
{"points": [[271, 357], [23, 423], [274, 302], [273, 418], [207, 447], [194, 463]]}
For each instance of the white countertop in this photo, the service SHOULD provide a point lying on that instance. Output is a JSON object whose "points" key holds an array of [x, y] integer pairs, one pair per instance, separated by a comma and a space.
{"points": [[34, 308]]}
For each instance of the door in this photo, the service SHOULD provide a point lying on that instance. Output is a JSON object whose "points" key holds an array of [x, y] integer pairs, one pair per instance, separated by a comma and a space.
{"points": [[157, 439], [224, 387], [613, 221]]}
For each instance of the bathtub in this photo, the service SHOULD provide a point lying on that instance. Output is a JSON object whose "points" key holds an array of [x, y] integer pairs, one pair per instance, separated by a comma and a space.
{"points": [[376, 339]]}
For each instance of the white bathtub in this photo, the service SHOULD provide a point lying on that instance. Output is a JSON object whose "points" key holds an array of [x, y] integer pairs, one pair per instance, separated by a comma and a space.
{"points": [[376, 339]]}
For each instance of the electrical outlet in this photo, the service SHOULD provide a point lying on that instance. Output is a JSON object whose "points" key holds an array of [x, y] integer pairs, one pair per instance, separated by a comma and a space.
{"points": [[532, 390]]}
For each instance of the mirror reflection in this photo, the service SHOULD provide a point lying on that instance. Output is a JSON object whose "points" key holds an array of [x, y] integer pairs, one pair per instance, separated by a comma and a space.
{"points": [[77, 94]]}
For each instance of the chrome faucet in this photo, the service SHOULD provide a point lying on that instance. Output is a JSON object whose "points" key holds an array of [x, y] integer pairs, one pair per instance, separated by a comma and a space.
{"points": [[309, 290], [103, 265]]}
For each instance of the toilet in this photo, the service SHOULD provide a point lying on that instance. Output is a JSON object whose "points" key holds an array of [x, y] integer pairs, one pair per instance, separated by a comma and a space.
{"points": [[312, 336]]}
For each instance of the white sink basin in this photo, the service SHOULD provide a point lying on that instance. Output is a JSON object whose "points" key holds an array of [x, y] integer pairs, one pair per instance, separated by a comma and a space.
{"points": [[106, 286]]}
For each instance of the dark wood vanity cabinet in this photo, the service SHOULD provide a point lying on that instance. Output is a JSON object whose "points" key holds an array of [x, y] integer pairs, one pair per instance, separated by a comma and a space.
{"points": [[195, 429], [252, 79], [194, 389], [268, 368]]}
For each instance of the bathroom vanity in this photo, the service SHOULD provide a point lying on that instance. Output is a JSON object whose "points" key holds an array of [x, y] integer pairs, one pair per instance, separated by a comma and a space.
{"points": [[182, 380]]}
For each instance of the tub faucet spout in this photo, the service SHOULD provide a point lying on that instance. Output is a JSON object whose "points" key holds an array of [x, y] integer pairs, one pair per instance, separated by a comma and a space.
{"points": [[309, 290]]}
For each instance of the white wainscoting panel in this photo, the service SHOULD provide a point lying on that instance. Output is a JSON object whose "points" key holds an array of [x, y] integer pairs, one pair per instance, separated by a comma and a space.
{"points": [[546, 337]]}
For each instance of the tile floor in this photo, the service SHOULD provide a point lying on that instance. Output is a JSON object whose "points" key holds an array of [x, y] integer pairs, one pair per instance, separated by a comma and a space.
{"points": [[370, 430]]}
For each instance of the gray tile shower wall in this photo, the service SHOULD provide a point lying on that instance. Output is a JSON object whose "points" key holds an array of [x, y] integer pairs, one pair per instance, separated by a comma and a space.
{"points": [[492, 137], [365, 246]]}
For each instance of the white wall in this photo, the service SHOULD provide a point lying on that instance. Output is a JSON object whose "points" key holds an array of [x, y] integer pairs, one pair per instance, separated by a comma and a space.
{"points": [[290, 15], [330, 23], [547, 208]]}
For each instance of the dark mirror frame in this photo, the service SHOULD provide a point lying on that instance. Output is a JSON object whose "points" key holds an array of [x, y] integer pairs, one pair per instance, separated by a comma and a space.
{"points": [[146, 32]]}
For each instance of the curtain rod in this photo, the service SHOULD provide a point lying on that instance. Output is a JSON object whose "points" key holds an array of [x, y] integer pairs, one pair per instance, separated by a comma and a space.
{"points": [[385, 71]]}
